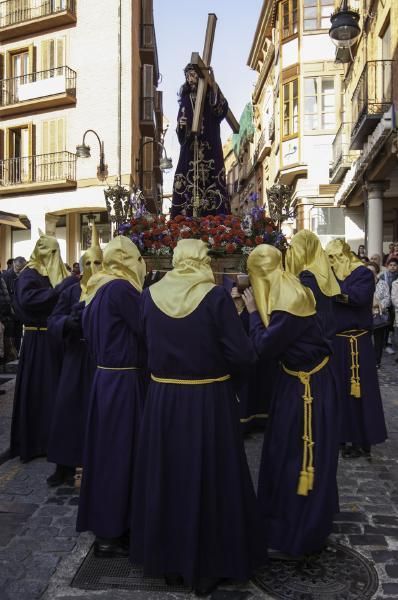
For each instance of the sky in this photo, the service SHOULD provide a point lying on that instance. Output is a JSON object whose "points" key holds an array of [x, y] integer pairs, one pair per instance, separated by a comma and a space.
{"points": [[180, 30]]}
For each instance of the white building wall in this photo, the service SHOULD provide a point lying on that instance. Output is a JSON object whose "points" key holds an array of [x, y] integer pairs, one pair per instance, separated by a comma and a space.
{"points": [[316, 47]]}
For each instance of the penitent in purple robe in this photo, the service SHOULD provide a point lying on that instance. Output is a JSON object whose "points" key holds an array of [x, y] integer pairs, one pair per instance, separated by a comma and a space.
{"points": [[67, 431], [39, 365], [362, 419], [111, 328], [194, 506], [212, 189], [254, 389], [295, 524]]}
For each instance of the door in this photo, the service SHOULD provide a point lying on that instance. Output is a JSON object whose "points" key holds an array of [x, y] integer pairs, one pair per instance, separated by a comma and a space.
{"points": [[20, 161], [19, 67]]}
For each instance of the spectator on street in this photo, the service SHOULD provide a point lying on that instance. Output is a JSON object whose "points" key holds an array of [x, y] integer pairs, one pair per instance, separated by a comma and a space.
{"points": [[394, 301], [10, 278], [381, 315], [389, 276]]}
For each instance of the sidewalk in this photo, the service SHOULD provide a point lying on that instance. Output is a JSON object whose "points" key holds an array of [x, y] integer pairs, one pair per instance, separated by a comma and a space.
{"points": [[40, 550]]}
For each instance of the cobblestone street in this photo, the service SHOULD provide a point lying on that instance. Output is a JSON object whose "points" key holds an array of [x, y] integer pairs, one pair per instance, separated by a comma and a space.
{"points": [[40, 550]]}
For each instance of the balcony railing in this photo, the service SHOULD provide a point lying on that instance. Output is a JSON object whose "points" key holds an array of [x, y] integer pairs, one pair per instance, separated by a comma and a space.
{"points": [[342, 155], [41, 84], [371, 99], [38, 169], [17, 12]]}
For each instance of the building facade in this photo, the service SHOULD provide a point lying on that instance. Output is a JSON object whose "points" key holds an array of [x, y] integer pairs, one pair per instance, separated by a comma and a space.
{"points": [[68, 66], [366, 145], [297, 103]]}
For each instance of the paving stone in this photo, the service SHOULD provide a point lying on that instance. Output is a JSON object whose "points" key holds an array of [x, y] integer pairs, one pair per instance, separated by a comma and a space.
{"points": [[11, 569], [57, 545], [391, 588], [347, 528], [40, 532], [392, 570], [368, 540], [10, 524], [388, 531], [385, 520], [17, 507], [25, 590], [357, 517]]}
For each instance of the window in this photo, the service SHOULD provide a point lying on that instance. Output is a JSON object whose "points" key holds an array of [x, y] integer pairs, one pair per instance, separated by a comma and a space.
{"points": [[319, 103], [290, 108], [289, 17], [317, 14]]}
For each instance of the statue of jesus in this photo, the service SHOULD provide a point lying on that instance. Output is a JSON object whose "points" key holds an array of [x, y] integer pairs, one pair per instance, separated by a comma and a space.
{"points": [[199, 187]]}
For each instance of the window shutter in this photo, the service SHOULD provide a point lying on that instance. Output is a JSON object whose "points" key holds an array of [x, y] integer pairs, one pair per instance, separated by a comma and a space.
{"points": [[60, 52], [147, 166], [44, 137], [61, 135], [44, 55], [32, 139], [2, 156], [147, 92]]}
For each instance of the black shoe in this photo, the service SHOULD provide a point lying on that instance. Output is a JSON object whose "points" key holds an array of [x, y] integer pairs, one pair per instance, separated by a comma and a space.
{"points": [[110, 548], [174, 580], [366, 451], [62, 474], [206, 585], [346, 451]]}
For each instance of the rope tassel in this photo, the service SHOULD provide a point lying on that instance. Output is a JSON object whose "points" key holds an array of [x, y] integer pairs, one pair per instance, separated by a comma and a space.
{"points": [[307, 473], [352, 336]]}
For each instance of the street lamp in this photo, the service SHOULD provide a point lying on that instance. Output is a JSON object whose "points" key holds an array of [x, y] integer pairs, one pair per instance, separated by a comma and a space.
{"points": [[345, 30], [165, 162], [83, 151]]}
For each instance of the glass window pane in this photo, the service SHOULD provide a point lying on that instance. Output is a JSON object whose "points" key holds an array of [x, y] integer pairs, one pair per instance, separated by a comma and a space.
{"points": [[286, 92], [310, 24], [310, 122], [295, 88], [325, 23], [309, 2], [310, 105], [328, 86], [328, 121], [310, 85], [286, 130], [310, 13]]}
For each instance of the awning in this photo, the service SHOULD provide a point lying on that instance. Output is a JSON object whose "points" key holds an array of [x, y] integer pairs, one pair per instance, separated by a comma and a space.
{"points": [[12, 220]]}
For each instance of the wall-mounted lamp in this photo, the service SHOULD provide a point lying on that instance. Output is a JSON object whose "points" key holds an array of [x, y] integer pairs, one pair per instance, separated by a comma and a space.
{"points": [[345, 29], [165, 162], [83, 151]]}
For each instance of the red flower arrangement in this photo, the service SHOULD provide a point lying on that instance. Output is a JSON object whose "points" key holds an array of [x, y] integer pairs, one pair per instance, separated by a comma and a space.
{"points": [[224, 234]]}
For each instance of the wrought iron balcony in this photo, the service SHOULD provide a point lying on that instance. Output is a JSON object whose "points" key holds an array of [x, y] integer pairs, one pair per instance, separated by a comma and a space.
{"points": [[263, 147], [372, 98], [342, 155], [42, 171], [25, 17], [44, 89]]}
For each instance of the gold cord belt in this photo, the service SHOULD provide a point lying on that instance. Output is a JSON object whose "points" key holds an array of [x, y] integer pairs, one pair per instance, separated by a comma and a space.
{"points": [[34, 328], [190, 381], [118, 368], [353, 335], [306, 479]]}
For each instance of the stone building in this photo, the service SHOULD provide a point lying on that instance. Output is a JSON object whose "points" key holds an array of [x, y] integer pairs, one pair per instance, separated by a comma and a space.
{"points": [[365, 162], [297, 105], [67, 66]]}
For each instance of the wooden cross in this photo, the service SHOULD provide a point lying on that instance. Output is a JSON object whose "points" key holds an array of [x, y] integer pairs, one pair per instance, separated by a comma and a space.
{"points": [[202, 67]]}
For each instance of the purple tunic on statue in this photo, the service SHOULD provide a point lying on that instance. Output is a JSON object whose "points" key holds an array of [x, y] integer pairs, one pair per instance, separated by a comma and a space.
{"points": [[194, 507], [296, 524], [111, 328], [362, 419], [212, 189], [67, 431], [39, 365]]}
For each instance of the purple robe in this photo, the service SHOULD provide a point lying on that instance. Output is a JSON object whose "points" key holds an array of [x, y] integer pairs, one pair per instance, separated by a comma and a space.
{"points": [[212, 188], [254, 389], [295, 524], [194, 506], [67, 431], [111, 328], [39, 365], [362, 419]]}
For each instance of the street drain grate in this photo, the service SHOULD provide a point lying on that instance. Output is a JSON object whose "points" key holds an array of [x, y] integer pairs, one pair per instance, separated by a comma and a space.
{"points": [[118, 573], [337, 573]]}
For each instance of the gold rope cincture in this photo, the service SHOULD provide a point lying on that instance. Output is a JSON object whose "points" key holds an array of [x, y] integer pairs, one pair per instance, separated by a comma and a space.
{"points": [[353, 335], [190, 381], [34, 328], [118, 368], [306, 479]]}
